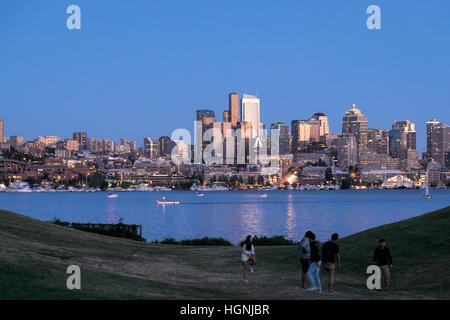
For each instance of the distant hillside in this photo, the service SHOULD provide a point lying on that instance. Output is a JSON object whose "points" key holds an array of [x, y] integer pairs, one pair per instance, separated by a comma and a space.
{"points": [[34, 256]]}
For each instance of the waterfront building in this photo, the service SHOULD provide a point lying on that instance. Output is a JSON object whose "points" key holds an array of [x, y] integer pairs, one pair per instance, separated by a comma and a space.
{"points": [[226, 116], [398, 181], [250, 112], [371, 159], [378, 175]]}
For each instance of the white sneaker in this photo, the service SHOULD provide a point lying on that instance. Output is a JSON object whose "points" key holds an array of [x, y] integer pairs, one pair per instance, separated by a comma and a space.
{"points": [[312, 289], [251, 269], [246, 281]]}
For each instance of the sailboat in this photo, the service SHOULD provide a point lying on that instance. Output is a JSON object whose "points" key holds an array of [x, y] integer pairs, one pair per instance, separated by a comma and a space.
{"points": [[426, 193]]}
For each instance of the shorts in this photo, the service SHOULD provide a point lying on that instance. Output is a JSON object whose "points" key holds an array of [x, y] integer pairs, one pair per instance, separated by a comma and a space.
{"points": [[305, 265], [385, 270]]}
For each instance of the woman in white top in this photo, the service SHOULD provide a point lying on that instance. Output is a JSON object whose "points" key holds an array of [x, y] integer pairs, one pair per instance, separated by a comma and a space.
{"points": [[248, 257]]}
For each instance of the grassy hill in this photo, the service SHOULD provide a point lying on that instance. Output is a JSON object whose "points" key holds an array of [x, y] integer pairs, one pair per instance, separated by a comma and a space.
{"points": [[34, 256]]}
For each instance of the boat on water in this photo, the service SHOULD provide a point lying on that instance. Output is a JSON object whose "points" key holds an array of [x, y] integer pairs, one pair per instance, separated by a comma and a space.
{"points": [[200, 194], [263, 195], [112, 195], [426, 193], [164, 201]]}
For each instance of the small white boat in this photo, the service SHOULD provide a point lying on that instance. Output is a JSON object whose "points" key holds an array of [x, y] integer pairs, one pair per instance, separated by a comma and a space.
{"points": [[164, 201], [263, 195], [112, 195], [200, 194]]}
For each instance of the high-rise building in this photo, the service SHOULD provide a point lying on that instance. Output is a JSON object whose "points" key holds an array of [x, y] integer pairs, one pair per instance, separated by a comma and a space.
{"points": [[354, 122], [165, 146], [16, 141], [440, 144], [2, 133], [80, 137], [207, 117], [151, 148], [129, 146], [430, 126], [402, 137], [233, 109], [71, 144], [347, 150], [301, 135], [284, 137], [314, 129], [324, 126], [226, 116], [378, 140], [251, 113]]}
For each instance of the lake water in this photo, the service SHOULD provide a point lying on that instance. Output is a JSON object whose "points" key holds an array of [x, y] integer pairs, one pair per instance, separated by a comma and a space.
{"points": [[233, 214]]}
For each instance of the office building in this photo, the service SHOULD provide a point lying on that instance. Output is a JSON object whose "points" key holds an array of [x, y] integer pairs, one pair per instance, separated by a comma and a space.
{"points": [[284, 137], [233, 109], [151, 148], [250, 112], [354, 122]]}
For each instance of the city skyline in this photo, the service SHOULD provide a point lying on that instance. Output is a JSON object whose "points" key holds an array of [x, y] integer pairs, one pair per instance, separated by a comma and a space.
{"points": [[215, 117], [116, 80]]}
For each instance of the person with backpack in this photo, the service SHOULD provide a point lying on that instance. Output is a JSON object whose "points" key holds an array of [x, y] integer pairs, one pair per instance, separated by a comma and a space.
{"points": [[382, 258], [313, 271], [305, 255]]}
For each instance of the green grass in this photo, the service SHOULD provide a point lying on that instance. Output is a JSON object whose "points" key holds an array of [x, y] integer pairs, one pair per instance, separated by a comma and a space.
{"points": [[34, 256]]}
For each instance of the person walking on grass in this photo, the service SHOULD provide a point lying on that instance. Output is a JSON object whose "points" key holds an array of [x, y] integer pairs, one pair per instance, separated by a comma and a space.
{"points": [[382, 258], [305, 255], [330, 253], [313, 271], [248, 256]]}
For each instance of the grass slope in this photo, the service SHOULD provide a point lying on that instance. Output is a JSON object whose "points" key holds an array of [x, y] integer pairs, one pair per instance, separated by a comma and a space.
{"points": [[34, 256]]}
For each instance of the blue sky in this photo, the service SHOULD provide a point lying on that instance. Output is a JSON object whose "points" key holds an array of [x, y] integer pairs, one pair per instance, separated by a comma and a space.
{"points": [[141, 68]]}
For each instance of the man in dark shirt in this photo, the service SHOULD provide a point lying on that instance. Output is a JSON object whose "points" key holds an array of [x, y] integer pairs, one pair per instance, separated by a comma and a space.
{"points": [[330, 253], [382, 258]]}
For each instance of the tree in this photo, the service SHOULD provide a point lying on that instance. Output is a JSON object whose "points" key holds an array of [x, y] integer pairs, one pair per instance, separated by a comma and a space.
{"points": [[346, 183], [260, 180], [329, 174], [251, 180]]}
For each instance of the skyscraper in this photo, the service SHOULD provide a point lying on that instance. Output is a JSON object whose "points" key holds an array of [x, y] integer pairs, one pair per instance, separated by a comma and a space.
{"points": [[347, 150], [402, 137], [323, 120], [207, 117], [251, 113], [430, 126], [301, 135], [151, 148], [354, 122], [440, 144], [233, 109], [283, 133], [80, 137]]}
